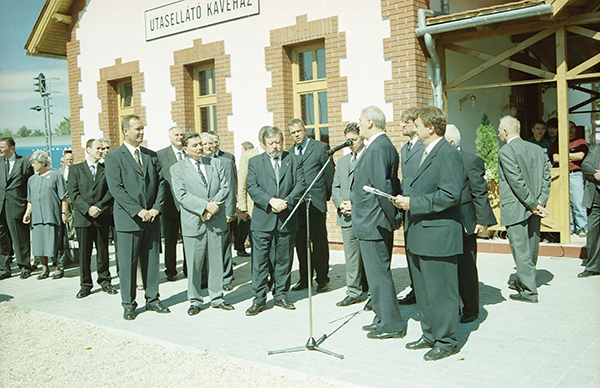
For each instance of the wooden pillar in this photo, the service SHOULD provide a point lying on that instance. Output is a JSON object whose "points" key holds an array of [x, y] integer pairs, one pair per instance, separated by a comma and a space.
{"points": [[562, 92]]}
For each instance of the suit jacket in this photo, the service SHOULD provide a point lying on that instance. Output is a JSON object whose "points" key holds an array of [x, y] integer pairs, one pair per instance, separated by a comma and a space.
{"points": [[167, 158], [313, 160], [377, 167], [228, 155], [62, 172], [132, 190], [524, 174], [262, 187], [433, 225], [475, 206], [590, 164], [410, 163], [340, 190], [13, 191], [193, 195], [245, 202], [231, 176], [85, 191]]}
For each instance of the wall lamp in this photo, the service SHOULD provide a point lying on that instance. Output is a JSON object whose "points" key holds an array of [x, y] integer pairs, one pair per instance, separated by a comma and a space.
{"points": [[469, 97], [508, 109]]}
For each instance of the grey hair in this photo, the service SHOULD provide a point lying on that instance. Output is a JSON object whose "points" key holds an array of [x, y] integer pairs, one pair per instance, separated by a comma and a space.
{"points": [[376, 115], [41, 157], [511, 124], [452, 133], [104, 140], [175, 127], [268, 131]]}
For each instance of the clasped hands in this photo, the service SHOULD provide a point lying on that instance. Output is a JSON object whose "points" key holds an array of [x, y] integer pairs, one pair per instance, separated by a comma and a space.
{"points": [[278, 205], [401, 202], [210, 210], [147, 215], [346, 208], [540, 211]]}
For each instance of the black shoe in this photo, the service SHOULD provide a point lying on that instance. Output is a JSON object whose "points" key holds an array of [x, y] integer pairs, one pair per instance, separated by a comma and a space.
{"points": [[421, 343], [224, 306], [129, 314], [171, 278], [227, 287], [109, 289], [57, 276], [587, 274], [194, 310], [285, 303], [43, 275], [379, 335], [437, 354], [158, 307], [521, 298], [300, 286], [25, 275], [468, 318], [348, 301], [83, 293], [368, 305], [323, 287], [243, 254], [5, 275], [371, 327], [255, 309], [515, 285], [408, 299]]}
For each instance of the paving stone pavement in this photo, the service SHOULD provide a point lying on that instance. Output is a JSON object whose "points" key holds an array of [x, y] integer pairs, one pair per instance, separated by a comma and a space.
{"points": [[555, 343]]}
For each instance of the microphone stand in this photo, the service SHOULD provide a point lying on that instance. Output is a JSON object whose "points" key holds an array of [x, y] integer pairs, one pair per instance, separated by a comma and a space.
{"points": [[311, 344]]}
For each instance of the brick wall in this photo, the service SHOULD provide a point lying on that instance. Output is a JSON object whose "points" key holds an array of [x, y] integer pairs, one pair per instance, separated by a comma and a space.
{"points": [[74, 74]]}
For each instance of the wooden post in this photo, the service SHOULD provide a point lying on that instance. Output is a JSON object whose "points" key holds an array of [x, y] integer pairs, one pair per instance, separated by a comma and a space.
{"points": [[562, 91]]}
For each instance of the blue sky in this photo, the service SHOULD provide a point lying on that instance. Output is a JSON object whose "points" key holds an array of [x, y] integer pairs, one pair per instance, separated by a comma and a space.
{"points": [[17, 18]]}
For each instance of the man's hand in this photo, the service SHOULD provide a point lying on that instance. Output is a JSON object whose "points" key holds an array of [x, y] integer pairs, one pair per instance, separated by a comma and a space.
{"points": [[212, 208], [243, 215], [346, 208], [401, 202], [229, 219], [26, 218], [540, 211], [94, 211], [153, 214], [278, 205], [144, 215], [597, 175], [206, 216], [65, 218], [480, 229]]}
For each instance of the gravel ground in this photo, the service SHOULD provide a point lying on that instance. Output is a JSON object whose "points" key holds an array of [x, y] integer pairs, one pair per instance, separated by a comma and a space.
{"points": [[40, 350]]}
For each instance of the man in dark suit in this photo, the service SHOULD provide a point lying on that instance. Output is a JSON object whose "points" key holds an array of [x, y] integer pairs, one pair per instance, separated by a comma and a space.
{"points": [[434, 235], [136, 183], [344, 174], [374, 220], [275, 183], [199, 185], [312, 156], [410, 156], [171, 223], [591, 200], [476, 215], [524, 174], [92, 205], [14, 234]]}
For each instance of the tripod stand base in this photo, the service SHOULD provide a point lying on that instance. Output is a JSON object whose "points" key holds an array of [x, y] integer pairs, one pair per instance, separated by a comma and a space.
{"points": [[311, 344]]}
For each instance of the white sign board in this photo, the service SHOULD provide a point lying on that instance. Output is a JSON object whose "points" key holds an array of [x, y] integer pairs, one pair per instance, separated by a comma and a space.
{"points": [[186, 15]]}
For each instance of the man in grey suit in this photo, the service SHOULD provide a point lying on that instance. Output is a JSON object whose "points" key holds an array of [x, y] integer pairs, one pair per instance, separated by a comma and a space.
{"points": [[410, 156], [200, 186], [14, 234], [171, 223], [136, 183], [312, 156], [434, 235], [591, 200], [524, 172], [476, 215], [275, 183], [340, 194], [374, 220]]}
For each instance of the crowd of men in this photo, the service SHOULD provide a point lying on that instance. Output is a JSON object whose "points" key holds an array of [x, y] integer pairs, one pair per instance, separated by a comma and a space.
{"points": [[195, 190]]}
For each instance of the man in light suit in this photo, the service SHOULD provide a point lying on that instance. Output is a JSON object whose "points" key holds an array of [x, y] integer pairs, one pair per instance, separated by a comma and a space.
{"points": [[434, 235], [340, 194], [136, 183], [410, 156], [591, 200], [312, 156], [171, 224], [200, 187], [92, 214], [243, 218], [524, 172], [374, 220], [476, 215], [14, 234], [275, 183]]}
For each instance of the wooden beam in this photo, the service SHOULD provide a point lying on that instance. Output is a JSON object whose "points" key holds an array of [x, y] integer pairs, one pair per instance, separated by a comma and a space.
{"points": [[592, 6], [584, 103], [499, 58], [586, 76], [60, 18], [583, 66], [584, 32], [500, 85], [558, 6], [507, 63], [585, 90]]}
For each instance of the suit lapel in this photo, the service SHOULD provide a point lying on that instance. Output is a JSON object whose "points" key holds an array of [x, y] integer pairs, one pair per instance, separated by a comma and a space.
{"points": [[130, 159], [429, 159], [192, 170], [285, 165]]}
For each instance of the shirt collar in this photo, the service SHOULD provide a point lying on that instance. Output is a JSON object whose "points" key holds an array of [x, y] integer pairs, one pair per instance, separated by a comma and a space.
{"points": [[176, 151], [511, 139], [433, 143], [131, 148], [304, 144], [13, 157], [372, 138]]}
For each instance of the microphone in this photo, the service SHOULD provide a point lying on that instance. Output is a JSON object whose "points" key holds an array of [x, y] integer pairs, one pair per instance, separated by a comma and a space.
{"points": [[332, 151]]}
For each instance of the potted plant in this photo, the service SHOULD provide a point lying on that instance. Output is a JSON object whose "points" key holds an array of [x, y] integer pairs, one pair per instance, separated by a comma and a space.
{"points": [[487, 149]]}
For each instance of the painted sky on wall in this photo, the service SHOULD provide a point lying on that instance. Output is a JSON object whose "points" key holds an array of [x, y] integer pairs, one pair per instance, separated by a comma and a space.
{"points": [[17, 18]]}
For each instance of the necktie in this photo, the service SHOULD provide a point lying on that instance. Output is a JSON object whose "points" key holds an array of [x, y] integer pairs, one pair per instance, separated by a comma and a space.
{"points": [[276, 168], [201, 174], [6, 169], [353, 162], [409, 147], [298, 150], [139, 162], [93, 171], [423, 158], [179, 155]]}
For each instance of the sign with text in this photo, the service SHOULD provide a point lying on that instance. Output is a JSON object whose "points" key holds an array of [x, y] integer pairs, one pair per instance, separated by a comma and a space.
{"points": [[186, 15]]}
